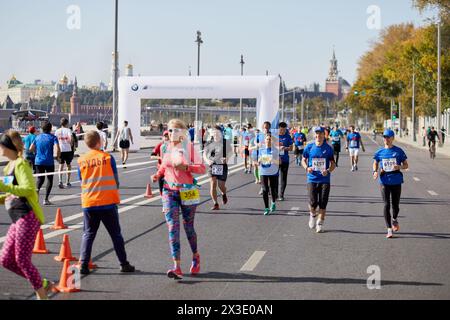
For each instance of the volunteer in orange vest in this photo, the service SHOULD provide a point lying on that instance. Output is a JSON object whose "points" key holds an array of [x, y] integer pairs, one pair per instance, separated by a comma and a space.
{"points": [[99, 197]]}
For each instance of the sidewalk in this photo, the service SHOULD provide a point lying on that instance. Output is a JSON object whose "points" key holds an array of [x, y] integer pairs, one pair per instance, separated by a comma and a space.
{"points": [[445, 150], [147, 142]]}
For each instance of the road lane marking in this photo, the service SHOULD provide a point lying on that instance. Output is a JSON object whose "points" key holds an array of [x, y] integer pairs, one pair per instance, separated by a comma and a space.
{"points": [[121, 210], [294, 211], [253, 261], [432, 193], [416, 179]]}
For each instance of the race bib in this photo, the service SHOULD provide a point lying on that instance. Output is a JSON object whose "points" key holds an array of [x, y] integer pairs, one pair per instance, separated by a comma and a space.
{"points": [[266, 160], [8, 180], [336, 139], [302, 147], [190, 196], [319, 164], [281, 151], [217, 170], [353, 144], [389, 164]]}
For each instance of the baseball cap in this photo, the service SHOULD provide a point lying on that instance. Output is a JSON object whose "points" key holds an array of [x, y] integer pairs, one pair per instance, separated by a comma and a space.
{"points": [[389, 133], [31, 129], [319, 129], [165, 133]]}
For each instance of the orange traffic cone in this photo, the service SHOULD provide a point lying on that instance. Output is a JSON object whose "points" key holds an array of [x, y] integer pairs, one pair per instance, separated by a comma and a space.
{"points": [[59, 224], [39, 244], [65, 253], [63, 286], [148, 193], [91, 265]]}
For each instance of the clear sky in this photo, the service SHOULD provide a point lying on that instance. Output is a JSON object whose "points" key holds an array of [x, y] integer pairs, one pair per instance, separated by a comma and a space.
{"points": [[294, 38]]}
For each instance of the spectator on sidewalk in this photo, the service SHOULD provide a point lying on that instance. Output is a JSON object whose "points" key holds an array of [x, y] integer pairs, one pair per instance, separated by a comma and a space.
{"points": [[443, 131]]}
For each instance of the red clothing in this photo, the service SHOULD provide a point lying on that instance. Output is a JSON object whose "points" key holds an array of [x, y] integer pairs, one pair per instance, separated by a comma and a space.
{"points": [[157, 152]]}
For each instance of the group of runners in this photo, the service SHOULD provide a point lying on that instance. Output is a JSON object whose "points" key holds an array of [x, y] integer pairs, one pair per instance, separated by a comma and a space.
{"points": [[265, 150]]}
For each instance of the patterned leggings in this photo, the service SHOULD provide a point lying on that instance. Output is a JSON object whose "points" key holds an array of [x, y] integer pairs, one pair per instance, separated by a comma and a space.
{"points": [[171, 205], [18, 248]]}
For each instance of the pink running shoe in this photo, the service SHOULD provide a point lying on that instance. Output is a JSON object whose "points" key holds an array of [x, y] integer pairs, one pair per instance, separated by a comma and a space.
{"points": [[195, 266], [175, 274]]}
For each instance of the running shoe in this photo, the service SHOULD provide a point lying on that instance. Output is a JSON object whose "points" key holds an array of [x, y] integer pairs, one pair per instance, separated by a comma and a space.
{"points": [[127, 268], [312, 221], [319, 227], [195, 266], [61, 185], [395, 226], [261, 191], [353, 168], [49, 286], [175, 274], [215, 207], [273, 207], [356, 167], [47, 203], [84, 269], [266, 212], [281, 198], [224, 199], [389, 234], [68, 185]]}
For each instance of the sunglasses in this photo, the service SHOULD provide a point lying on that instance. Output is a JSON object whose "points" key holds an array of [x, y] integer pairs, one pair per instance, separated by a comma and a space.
{"points": [[175, 130]]}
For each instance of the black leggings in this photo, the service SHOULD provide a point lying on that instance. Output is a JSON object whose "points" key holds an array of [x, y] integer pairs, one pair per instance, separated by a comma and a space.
{"points": [[40, 182], [388, 192], [284, 168], [273, 182]]}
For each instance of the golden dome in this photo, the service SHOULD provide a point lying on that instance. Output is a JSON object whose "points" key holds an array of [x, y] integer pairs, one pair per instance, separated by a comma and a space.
{"points": [[64, 79]]}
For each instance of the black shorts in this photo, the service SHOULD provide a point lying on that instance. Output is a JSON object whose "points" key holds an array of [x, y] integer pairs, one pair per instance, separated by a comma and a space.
{"points": [[337, 147], [222, 177], [246, 151], [66, 157], [124, 144], [298, 152], [318, 195]]}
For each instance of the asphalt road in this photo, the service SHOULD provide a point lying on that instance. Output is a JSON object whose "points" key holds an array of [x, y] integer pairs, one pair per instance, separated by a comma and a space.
{"points": [[282, 257]]}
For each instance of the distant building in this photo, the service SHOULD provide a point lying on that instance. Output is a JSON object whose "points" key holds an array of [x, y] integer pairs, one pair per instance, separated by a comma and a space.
{"points": [[129, 70], [334, 83], [19, 92]]}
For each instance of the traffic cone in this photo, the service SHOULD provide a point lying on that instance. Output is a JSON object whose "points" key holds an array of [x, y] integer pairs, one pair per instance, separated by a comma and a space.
{"points": [[65, 253], [148, 193], [39, 244], [91, 265], [59, 224], [63, 286]]}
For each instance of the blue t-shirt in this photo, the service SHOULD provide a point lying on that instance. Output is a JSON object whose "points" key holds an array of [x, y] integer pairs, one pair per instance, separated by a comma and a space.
{"points": [[28, 141], [246, 138], [192, 133], [336, 136], [319, 158], [267, 166], [299, 139], [44, 149], [286, 140], [387, 158], [354, 140]]}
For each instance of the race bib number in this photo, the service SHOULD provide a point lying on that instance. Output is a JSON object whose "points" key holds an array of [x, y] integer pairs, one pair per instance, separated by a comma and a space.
{"points": [[319, 164], [389, 164], [217, 170], [353, 144], [336, 139], [189, 196], [302, 147], [281, 151], [8, 180], [266, 160]]}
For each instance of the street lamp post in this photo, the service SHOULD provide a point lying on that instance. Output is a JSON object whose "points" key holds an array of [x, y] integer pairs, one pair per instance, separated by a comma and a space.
{"points": [[303, 108], [115, 91], [293, 107], [282, 98], [240, 100], [414, 107], [438, 106], [199, 41]]}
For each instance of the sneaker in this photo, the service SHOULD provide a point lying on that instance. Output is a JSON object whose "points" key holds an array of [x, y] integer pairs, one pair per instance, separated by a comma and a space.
{"points": [[68, 185], [127, 268], [224, 199], [124, 165], [353, 168], [389, 234], [266, 211], [47, 203], [84, 269], [273, 207], [312, 221], [61, 185], [48, 286], [175, 274], [395, 226], [261, 191], [281, 198], [195, 266], [319, 227], [356, 167], [215, 207]]}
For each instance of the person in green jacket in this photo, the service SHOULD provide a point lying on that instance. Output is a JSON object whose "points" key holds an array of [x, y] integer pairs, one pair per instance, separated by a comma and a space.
{"points": [[22, 204]]}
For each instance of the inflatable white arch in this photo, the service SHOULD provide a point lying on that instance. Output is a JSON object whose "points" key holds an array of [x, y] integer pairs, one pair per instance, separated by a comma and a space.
{"points": [[132, 89]]}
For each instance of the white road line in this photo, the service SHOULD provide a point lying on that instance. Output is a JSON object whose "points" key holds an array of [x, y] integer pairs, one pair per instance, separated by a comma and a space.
{"points": [[416, 179], [121, 210], [432, 193], [294, 211], [253, 261]]}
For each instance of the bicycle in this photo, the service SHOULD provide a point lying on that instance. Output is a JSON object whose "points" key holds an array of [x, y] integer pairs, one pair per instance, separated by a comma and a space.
{"points": [[432, 149]]}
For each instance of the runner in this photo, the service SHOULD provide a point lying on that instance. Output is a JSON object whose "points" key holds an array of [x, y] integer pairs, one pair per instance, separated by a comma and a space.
{"points": [[22, 204], [43, 146], [336, 136], [158, 153], [180, 192], [103, 136], [99, 199], [245, 139], [254, 151], [318, 161], [391, 160], [285, 145], [354, 142], [300, 143], [64, 135], [125, 137], [28, 141], [216, 155], [269, 161], [236, 141]]}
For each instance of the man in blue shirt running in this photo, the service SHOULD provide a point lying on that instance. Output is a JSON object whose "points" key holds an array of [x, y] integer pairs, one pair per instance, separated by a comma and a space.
{"points": [[318, 161], [336, 136], [354, 143], [285, 145]]}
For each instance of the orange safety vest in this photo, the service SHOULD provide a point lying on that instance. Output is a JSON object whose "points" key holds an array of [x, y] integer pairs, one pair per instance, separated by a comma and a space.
{"points": [[98, 185]]}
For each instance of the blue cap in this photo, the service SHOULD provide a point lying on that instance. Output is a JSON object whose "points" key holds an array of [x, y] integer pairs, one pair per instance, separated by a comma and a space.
{"points": [[389, 133], [319, 129]]}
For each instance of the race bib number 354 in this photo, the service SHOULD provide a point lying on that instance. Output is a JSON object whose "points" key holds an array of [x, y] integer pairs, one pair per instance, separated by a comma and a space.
{"points": [[189, 196]]}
